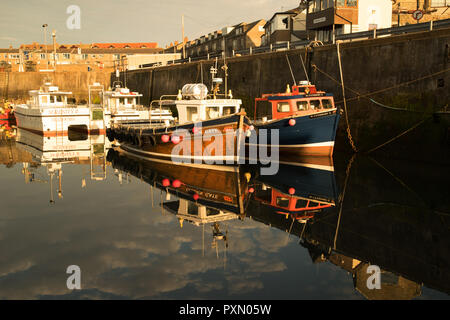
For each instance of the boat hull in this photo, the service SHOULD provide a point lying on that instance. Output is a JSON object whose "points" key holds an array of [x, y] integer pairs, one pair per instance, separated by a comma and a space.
{"points": [[51, 122], [311, 135], [215, 142]]}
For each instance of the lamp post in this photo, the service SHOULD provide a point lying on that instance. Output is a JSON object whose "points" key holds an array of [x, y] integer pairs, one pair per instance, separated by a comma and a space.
{"points": [[54, 49], [45, 40]]}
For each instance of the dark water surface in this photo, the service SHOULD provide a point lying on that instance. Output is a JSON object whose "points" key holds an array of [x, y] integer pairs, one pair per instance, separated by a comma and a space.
{"points": [[395, 215]]}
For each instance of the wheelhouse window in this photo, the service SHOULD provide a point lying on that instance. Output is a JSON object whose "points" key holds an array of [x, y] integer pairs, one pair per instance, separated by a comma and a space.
{"points": [[327, 104], [301, 204], [315, 104], [228, 110], [283, 107], [54, 99], [282, 202], [192, 113], [302, 105], [212, 112]]}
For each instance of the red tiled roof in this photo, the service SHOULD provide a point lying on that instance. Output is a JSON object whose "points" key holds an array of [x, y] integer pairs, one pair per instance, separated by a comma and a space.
{"points": [[132, 45]]}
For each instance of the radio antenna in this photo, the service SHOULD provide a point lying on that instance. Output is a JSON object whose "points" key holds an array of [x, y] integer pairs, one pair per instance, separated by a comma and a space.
{"points": [[304, 68], [292, 73]]}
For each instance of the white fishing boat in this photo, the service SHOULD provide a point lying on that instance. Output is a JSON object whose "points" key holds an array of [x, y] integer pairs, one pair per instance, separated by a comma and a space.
{"points": [[124, 105], [53, 153], [48, 113], [61, 148], [160, 113]]}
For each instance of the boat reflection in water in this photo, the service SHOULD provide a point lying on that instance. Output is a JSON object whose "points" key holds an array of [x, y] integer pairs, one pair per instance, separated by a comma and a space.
{"points": [[300, 190], [204, 196], [54, 152], [399, 232], [303, 200]]}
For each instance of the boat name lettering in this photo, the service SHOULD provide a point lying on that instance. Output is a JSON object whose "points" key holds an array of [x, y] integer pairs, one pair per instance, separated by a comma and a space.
{"points": [[321, 114]]}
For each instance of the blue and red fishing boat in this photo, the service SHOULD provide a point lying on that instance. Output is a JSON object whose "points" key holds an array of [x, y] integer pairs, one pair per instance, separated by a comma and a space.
{"points": [[307, 120]]}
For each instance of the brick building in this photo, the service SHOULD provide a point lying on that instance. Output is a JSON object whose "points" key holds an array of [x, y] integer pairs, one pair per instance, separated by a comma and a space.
{"points": [[432, 9], [96, 56]]}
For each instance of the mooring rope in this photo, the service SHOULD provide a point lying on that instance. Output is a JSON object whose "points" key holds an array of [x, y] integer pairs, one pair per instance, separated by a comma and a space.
{"points": [[342, 197], [349, 134], [399, 135], [366, 95]]}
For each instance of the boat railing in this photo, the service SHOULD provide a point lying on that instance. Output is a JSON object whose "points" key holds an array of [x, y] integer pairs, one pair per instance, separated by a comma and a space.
{"points": [[67, 105], [130, 107]]}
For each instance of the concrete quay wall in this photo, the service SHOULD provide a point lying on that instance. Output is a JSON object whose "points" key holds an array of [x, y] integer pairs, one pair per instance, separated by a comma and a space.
{"points": [[408, 72]]}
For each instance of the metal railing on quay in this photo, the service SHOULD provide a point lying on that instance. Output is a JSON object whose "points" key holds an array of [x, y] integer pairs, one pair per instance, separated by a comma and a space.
{"points": [[363, 35]]}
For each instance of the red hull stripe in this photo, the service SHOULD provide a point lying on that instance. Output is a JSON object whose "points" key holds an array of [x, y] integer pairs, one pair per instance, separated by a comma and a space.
{"points": [[64, 133]]}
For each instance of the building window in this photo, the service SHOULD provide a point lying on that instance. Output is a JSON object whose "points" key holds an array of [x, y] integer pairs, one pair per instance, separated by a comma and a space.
{"points": [[346, 3], [66, 55], [14, 56], [84, 56], [285, 23]]}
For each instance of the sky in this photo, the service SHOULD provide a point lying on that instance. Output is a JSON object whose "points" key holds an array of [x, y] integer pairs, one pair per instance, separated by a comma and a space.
{"points": [[127, 21]]}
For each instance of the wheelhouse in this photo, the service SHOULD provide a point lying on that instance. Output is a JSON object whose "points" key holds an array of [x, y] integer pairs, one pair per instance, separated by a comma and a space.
{"points": [[48, 96], [288, 204], [122, 98], [303, 100], [208, 109]]}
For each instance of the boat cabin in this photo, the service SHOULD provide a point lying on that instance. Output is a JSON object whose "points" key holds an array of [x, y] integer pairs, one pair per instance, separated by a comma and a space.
{"points": [[122, 98], [287, 204], [48, 96], [202, 110], [198, 214], [304, 99], [194, 104]]}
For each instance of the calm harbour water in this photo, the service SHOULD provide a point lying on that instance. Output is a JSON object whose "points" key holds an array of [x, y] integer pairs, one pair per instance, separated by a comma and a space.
{"points": [[395, 215]]}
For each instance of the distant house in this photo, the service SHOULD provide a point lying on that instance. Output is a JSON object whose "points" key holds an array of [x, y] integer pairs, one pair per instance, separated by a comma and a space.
{"points": [[286, 26], [81, 56], [127, 45], [327, 18], [229, 39]]}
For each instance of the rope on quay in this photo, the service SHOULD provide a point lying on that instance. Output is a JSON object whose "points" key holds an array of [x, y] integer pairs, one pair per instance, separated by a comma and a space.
{"points": [[349, 134], [341, 200]]}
